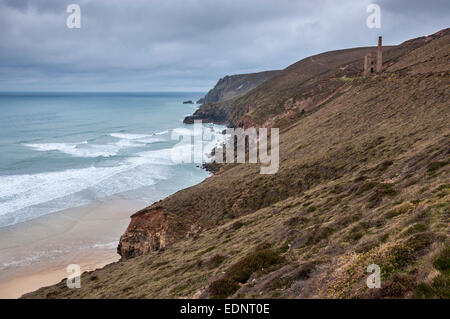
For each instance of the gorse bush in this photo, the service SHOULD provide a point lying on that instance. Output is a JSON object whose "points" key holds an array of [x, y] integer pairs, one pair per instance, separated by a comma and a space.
{"points": [[440, 287], [260, 259], [442, 263], [223, 288], [257, 260]]}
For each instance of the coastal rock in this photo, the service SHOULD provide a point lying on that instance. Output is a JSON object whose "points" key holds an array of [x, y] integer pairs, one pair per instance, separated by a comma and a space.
{"points": [[234, 85], [188, 102], [212, 167], [216, 113], [216, 103], [147, 232], [189, 119]]}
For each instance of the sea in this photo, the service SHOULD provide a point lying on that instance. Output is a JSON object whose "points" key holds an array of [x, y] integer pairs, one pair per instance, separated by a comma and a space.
{"points": [[63, 150]]}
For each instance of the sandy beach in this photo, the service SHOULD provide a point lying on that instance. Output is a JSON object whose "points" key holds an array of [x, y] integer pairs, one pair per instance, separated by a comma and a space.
{"points": [[36, 253]]}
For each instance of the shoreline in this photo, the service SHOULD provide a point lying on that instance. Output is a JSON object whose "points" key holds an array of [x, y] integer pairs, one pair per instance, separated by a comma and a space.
{"points": [[35, 253], [18, 286]]}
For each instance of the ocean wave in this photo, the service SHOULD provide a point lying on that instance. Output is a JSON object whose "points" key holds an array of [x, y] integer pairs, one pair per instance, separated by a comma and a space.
{"points": [[166, 156], [151, 140], [21, 191], [182, 131], [85, 149], [128, 143], [110, 245], [27, 196], [82, 149], [128, 136], [25, 261], [184, 151], [135, 140], [161, 133], [24, 197]]}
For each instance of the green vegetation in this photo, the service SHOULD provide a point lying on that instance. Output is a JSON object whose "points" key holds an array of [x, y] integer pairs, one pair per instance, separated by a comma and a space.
{"points": [[207, 250], [440, 286], [399, 210], [305, 270], [386, 189], [222, 288], [398, 258], [416, 228], [384, 166], [442, 262], [257, 260], [215, 261], [240, 272], [434, 166]]}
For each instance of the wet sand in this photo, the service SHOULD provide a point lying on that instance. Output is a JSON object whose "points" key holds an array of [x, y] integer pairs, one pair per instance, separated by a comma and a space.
{"points": [[36, 253]]}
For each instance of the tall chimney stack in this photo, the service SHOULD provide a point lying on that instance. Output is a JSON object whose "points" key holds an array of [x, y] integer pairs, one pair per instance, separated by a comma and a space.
{"points": [[380, 54]]}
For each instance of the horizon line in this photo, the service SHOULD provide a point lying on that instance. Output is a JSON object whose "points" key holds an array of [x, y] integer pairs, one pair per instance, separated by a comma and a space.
{"points": [[3, 92]]}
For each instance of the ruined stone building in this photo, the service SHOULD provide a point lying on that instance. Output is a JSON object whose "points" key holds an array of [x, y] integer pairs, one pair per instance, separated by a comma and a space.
{"points": [[373, 63]]}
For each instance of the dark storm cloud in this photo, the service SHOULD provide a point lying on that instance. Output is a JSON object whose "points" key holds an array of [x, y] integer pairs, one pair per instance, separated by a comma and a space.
{"points": [[186, 44]]}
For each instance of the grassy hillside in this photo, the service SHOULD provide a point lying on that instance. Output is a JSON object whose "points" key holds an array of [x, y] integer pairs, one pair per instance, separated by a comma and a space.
{"points": [[231, 87], [313, 80], [234, 85], [363, 179]]}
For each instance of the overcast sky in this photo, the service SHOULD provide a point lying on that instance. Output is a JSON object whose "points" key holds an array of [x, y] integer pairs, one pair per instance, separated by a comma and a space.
{"points": [[186, 45]]}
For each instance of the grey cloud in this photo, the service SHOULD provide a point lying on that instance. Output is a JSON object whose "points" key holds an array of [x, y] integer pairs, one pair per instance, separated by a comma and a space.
{"points": [[185, 45]]}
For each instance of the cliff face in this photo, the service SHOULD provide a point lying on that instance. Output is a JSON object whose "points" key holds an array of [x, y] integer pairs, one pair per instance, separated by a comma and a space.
{"points": [[363, 179], [147, 232], [233, 85], [230, 87]]}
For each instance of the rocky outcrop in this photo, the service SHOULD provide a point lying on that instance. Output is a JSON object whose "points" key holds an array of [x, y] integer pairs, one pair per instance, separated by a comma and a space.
{"points": [[211, 113], [218, 100], [147, 232], [234, 85]]}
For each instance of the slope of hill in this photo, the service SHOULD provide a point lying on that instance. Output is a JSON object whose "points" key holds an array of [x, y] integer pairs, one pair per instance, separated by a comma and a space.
{"points": [[363, 179], [231, 87], [309, 82], [234, 85]]}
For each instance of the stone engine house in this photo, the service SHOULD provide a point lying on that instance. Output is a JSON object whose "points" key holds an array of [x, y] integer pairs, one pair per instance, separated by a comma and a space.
{"points": [[373, 63]]}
